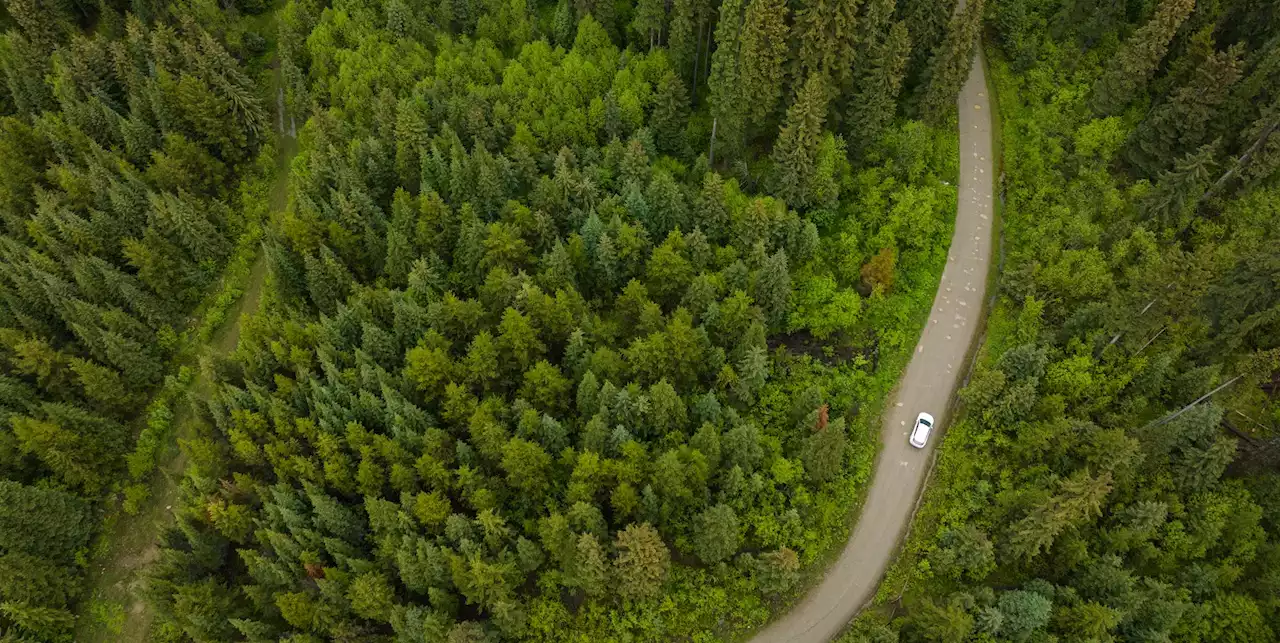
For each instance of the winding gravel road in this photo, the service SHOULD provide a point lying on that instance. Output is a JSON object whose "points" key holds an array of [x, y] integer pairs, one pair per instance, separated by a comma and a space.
{"points": [[930, 379]]}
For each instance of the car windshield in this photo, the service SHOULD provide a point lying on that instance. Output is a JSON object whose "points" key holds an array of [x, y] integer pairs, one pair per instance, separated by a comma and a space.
{"points": [[925, 422]]}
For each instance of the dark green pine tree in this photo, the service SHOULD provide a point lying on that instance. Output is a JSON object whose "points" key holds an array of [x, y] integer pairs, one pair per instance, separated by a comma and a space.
{"points": [[328, 280], [649, 19], [401, 250], [682, 40], [45, 22], [772, 291], [764, 50], [876, 88], [564, 26], [1129, 70], [796, 150], [601, 10], [1181, 124], [826, 30], [927, 21], [670, 113], [951, 64], [1173, 198], [728, 103], [712, 210]]}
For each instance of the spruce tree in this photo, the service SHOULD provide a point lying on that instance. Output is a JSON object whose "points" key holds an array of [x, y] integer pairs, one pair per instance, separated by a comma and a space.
{"points": [[648, 21], [683, 42], [877, 86], [827, 32], [590, 573], [927, 21], [1129, 70], [764, 50], [564, 26], [772, 291], [1181, 124], [951, 63], [796, 150], [728, 103], [401, 250], [716, 534], [670, 114], [1172, 199]]}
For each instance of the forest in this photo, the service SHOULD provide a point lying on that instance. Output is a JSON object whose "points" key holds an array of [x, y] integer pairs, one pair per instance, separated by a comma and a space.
{"points": [[1091, 491], [579, 316], [563, 336]]}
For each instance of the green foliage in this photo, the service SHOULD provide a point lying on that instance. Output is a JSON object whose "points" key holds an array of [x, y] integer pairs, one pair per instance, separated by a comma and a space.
{"points": [[520, 369], [763, 54], [1069, 502], [951, 64], [795, 154], [1132, 67]]}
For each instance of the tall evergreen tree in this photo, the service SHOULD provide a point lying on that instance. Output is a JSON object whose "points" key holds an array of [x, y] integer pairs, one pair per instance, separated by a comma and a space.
{"points": [[683, 43], [649, 20], [796, 150], [1181, 124], [1128, 71], [927, 21], [670, 113], [1174, 196], [764, 50], [877, 86], [826, 30], [951, 64], [728, 104]]}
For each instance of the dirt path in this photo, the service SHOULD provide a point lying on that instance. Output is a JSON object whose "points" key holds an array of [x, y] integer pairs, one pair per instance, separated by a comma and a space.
{"points": [[115, 609], [928, 384]]}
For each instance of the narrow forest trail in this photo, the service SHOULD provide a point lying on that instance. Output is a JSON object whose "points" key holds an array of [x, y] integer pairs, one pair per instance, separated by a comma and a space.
{"points": [[928, 385], [114, 609]]}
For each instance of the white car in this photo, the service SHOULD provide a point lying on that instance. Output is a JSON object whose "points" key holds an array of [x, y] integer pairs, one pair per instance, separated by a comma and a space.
{"points": [[920, 432]]}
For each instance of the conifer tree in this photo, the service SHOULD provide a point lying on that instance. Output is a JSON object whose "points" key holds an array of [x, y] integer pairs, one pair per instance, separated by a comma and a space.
{"points": [[400, 239], [951, 63], [764, 50], [602, 11], [328, 280], [650, 18], [823, 452], [1172, 199], [564, 26], [927, 22], [877, 85], [642, 561], [590, 570], [670, 113], [796, 150], [716, 535], [683, 44], [728, 103], [827, 32], [772, 290], [778, 571], [1181, 124], [1129, 70]]}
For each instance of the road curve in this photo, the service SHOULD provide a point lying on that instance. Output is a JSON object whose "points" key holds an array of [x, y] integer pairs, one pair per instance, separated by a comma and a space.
{"points": [[930, 379]]}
